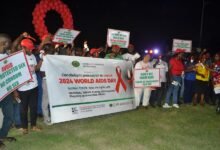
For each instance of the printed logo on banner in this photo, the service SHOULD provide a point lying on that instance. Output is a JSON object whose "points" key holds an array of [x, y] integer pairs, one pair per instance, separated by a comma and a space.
{"points": [[114, 104], [75, 63], [75, 110]]}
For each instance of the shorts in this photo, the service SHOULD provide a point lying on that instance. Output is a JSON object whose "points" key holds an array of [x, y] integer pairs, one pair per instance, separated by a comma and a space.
{"points": [[201, 86]]}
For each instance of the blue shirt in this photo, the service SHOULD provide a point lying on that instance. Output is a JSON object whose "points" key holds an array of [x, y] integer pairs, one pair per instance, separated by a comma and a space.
{"points": [[190, 75]]}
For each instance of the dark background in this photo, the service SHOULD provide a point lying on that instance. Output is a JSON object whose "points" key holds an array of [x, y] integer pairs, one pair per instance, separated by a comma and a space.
{"points": [[152, 23]]}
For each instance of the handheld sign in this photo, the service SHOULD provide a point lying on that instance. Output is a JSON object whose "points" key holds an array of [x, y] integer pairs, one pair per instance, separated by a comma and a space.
{"points": [[118, 37], [216, 78], [184, 45], [65, 36], [146, 78], [14, 72]]}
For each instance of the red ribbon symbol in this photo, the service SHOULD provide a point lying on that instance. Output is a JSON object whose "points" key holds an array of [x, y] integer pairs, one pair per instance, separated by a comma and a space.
{"points": [[120, 81]]}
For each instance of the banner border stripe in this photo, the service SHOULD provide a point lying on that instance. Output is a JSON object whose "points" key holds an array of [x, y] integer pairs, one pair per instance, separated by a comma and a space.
{"points": [[119, 99]]}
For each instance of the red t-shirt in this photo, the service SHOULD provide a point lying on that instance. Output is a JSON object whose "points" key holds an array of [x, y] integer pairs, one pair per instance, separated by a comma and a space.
{"points": [[177, 66]]}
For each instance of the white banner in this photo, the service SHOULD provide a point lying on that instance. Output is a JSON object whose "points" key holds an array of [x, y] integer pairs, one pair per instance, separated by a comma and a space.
{"points": [[14, 72], [65, 36], [118, 37], [146, 78], [184, 45], [81, 87]]}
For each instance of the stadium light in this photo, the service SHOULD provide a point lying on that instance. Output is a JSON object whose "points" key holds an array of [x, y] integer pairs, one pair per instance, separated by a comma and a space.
{"points": [[156, 51]]}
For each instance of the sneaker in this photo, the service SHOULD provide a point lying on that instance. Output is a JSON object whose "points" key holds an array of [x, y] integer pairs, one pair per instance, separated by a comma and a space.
{"points": [[23, 130], [35, 128], [48, 122], [176, 106], [166, 106]]}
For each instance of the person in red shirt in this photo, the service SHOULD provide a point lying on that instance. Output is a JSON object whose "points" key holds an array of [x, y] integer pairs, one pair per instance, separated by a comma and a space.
{"points": [[176, 69]]}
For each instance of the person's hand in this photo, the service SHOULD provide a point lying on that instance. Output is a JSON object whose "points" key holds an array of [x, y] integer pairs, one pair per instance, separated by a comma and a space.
{"points": [[25, 34], [194, 68], [202, 75]]}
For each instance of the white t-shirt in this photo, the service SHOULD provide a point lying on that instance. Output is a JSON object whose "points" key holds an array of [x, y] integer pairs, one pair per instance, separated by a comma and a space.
{"points": [[142, 65], [162, 65], [33, 83]]}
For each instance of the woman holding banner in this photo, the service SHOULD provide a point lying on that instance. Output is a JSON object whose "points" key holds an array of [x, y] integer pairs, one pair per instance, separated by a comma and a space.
{"points": [[144, 64]]}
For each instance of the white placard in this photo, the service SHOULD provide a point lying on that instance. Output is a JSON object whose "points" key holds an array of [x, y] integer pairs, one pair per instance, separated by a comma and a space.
{"points": [[146, 78], [184, 45], [14, 72], [118, 37], [65, 36]]}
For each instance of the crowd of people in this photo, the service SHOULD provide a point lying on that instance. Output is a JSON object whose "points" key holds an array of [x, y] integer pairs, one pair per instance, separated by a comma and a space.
{"points": [[188, 76]]}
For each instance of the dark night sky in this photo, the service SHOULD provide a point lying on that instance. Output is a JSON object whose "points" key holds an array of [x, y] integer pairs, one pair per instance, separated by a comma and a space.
{"points": [[152, 23]]}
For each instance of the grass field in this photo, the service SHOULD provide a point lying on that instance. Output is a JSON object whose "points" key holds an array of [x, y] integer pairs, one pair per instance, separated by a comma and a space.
{"points": [[188, 128]]}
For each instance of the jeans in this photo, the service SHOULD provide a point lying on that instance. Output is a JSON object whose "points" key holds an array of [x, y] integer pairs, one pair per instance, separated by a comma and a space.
{"points": [[17, 118], [7, 109], [28, 100], [173, 90], [189, 90]]}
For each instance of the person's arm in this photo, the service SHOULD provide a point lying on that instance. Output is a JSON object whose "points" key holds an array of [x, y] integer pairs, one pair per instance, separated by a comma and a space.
{"points": [[45, 41], [170, 67], [37, 67], [189, 69], [17, 41]]}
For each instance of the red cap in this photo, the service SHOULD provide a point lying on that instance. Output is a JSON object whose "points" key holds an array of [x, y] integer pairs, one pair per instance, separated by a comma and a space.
{"points": [[116, 46], [28, 44], [94, 50], [179, 51]]}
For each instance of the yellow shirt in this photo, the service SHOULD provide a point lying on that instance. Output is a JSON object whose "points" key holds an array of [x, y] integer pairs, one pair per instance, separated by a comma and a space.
{"points": [[201, 69]]}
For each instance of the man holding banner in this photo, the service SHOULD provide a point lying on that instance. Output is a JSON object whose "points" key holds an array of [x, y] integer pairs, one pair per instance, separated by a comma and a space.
{"points": [[6, 103], [29, 91]]}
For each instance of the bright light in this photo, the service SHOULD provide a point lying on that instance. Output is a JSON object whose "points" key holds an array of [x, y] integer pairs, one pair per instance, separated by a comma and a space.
{"points": [[156, 51], [146, 51], [151, 51]]}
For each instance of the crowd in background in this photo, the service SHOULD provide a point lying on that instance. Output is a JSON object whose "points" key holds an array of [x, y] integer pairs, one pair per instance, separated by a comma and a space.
{"points": [[185, 78]]}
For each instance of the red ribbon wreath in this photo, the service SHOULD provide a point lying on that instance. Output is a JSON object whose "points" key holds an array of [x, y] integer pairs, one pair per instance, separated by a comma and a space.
{"points": [[43, 7]]}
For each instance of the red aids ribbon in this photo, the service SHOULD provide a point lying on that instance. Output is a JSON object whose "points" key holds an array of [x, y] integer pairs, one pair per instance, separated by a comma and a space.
{"points": [[120, 80]]}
